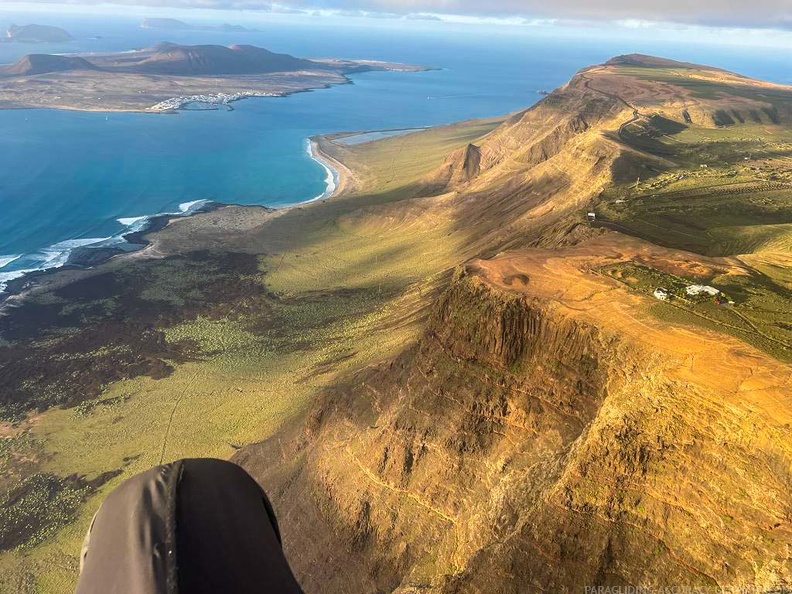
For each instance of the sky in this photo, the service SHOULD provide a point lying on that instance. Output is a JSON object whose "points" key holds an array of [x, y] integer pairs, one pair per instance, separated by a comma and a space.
{"points": [[761, 14], [760, 23]]}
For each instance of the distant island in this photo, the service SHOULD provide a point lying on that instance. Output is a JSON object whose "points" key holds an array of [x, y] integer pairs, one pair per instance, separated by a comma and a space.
{"points": [[177, 25], [36, 34], [169, 76], [509, 355]]}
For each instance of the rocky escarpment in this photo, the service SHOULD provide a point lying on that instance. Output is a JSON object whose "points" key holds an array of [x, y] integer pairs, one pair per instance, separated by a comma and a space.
{"points": [[517, 449], [409, 470], [531, 180], [524, 444]]}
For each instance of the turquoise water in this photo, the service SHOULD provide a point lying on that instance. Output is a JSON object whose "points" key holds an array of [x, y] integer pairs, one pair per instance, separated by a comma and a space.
{"points": [[66, 178]]}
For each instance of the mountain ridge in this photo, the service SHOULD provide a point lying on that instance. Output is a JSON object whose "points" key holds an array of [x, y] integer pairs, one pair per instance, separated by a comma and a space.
{"points": [[545, 432], [457, 375], [170, 59]]}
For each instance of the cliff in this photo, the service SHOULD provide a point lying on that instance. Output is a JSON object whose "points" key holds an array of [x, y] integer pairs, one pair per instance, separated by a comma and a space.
{"points": [[547, 432], [518, 448]]}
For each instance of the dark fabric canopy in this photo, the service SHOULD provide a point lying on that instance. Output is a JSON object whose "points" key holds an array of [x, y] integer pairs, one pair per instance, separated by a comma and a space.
{"points": [[195, 526]]}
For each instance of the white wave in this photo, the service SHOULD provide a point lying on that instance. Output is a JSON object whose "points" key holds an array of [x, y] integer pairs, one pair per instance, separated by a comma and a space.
{"points": [[5, 277], [54, 256], [331, 180], [129, 221], [70, 244], [188, 207], [138, 223], [6, 260], [58, 254]]}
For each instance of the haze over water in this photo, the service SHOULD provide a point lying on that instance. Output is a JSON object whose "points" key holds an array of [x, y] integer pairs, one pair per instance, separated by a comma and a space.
{"points": [[69, 176]]}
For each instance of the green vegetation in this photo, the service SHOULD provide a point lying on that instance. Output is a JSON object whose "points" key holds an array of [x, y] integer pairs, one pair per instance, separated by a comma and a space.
{"points": [[87, 407], [200, 353], [400, 162], [35, 508], [724, 185], [752, 308], [724, 191]]}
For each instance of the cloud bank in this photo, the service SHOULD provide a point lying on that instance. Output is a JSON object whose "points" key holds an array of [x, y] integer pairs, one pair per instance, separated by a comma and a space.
{"points": [[776, 14]]}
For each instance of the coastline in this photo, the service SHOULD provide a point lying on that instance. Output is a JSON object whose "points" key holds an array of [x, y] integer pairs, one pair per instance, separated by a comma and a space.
{"points": [[236, 88], [346, 180], [87, 253], [333, 178], [136, 238], [176, 104]]}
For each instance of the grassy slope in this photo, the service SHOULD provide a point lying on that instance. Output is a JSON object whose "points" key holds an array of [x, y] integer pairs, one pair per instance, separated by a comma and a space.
{"points": [[729, 194], [350, 282]]}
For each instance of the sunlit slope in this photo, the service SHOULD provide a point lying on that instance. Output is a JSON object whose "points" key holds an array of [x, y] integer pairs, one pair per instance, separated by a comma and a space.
{"points": [[547, 432], [557, 426], [681, 155], [221, 332], [538, 420]]}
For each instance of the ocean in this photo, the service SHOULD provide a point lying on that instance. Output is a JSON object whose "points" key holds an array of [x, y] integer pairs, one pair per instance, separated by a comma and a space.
{"points": [[70, 179]]}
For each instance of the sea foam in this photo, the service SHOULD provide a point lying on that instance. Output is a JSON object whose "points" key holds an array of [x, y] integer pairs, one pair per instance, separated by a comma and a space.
{"points": [[5, 277], [5, 260], [58, 254], [331, 180]]}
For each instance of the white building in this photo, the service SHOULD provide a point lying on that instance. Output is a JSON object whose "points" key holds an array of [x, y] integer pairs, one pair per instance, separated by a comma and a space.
{"points": [[661, 294], [696, 290]]}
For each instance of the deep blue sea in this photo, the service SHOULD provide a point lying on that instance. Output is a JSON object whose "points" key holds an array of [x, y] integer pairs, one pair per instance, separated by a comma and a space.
{"points": [[66, 178]]}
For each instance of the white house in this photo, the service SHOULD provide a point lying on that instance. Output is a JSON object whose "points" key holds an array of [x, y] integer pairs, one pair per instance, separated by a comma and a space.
{"points": [[661, 294], [696, 290]]}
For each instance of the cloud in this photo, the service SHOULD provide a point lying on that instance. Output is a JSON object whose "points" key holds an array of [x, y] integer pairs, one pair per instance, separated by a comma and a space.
{"points": [[775, 14]]}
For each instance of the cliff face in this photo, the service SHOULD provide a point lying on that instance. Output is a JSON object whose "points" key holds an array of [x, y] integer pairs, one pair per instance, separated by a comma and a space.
{"points": [[457, 434], [527, 182], [542, 435], [515, 449]]}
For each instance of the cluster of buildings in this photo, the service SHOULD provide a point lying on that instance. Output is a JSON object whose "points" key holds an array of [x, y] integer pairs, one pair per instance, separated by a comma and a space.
{"points": [[691, 291], [217, 99]]}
